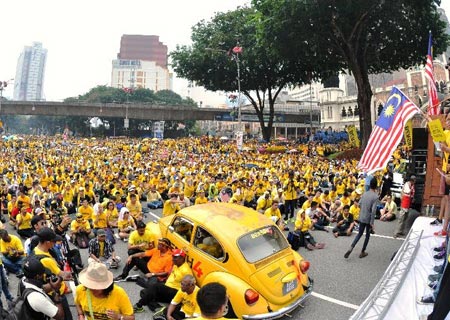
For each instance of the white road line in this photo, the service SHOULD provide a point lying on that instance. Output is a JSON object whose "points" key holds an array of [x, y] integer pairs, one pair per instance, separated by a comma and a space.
{"points": [[373, 235], [339, 302], [154, 215]]}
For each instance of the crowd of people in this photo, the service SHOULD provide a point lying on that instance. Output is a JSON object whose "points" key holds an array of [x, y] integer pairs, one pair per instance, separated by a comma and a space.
{"points": [[90, 193]]}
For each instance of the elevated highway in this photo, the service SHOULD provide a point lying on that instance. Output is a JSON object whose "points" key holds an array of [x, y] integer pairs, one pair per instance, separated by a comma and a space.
{"points": [[139, 111]]}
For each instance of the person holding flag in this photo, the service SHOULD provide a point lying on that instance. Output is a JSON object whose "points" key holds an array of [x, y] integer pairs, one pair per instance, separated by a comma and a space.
{"points": [[387, 132]]}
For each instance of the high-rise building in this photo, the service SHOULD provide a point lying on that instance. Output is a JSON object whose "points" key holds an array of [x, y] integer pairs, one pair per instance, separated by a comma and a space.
{"points": [[140, 74], [29, 80], [141, 63], [140, 47]]}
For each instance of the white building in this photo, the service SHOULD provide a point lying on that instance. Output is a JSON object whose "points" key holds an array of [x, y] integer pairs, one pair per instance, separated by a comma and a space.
{"points": [[140, 74], [29, 80]]}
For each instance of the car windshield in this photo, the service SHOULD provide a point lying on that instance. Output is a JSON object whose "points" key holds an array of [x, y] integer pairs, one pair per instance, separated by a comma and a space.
{"points": [[262, 243]]}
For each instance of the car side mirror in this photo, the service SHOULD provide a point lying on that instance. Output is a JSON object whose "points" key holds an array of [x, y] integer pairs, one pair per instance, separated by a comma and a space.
{"points": [[171, 229]]}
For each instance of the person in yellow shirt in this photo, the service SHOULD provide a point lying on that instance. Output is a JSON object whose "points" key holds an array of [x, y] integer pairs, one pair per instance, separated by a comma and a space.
{"points": [[345, 223], [303, 224], [201, 198], [13, 252], [140, 239], [125, 224], [135, 207], [165, 291], [171, 205], [290, 187], [86, 210], [99, 218], [80, 227], [274, 213], [184, 304], [23, 221], [98, 294]]}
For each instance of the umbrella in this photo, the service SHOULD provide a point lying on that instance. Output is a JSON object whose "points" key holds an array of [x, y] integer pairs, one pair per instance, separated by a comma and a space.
{"points": [[224, 138], [251, 165], [293, 151]]}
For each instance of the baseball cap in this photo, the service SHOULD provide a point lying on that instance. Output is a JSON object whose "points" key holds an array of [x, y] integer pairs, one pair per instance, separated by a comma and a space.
{"points": [[32, 267], [178, 253], [47, 234], [101, 232]]}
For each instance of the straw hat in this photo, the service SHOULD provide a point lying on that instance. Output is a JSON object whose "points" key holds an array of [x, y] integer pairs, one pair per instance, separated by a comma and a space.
{"points": [[96, 276]]}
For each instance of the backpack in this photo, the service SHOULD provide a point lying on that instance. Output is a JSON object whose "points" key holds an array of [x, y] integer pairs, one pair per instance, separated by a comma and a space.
{"points": [[21, 309], [82, 241], [294, 240]]}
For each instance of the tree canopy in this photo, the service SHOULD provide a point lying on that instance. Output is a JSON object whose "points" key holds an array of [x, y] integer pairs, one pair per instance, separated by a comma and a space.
{"points": [[211, 62], [361, 36]]}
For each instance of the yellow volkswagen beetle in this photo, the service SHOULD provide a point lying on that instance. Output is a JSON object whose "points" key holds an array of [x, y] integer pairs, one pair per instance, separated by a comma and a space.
{"points": [[243, 250]]}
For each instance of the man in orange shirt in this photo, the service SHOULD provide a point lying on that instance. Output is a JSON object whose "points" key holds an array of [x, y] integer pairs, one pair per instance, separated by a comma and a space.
{"points": [[157, 268]]}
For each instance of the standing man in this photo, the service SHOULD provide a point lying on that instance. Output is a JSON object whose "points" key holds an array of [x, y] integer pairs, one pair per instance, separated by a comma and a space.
{"points": [[290, 187], [368, 204], [406, 200]]}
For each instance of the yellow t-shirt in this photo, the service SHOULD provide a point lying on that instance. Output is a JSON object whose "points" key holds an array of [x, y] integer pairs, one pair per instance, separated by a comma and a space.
{"points": [[355, 212], [273, 213], [188, 302], [445, 158], [117, 301], [147, 238], [177, 274], [304, 225], [123, 224], [14, 244], [75, 225], [49, 262], [87, 212], [26, 220], [100, 221]]}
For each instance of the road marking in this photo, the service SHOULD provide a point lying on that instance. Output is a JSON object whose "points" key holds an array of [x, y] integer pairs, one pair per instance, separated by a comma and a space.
{"points": [[154, 215], [373, 235], [339, 302]]}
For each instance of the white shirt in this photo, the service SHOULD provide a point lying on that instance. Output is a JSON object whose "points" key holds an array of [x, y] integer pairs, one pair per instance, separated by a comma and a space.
{"points": [[40, 302]]}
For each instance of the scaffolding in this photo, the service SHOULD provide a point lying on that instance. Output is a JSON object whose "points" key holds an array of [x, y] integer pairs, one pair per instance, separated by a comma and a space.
{"points": [[382, 296]]}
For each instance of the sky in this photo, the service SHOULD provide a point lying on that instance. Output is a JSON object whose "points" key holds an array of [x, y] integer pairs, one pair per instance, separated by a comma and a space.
{"points": [[83, 37]]}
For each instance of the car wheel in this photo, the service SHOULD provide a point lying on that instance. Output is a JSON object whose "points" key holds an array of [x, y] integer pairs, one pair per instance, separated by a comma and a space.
{"points": [[229, 312]]}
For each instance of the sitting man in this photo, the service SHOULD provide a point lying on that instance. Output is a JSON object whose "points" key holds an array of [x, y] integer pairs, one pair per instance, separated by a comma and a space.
{"points": [[318, 217], [184, 304], [155, 269], [102, 250], [80, 231], [140, 239], [154, 199], [13, 252], [389, 210], [345, 223], [165, 292]]}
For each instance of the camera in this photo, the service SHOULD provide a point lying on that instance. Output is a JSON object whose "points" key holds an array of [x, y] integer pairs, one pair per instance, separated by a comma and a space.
{"points": [[54, 278]]}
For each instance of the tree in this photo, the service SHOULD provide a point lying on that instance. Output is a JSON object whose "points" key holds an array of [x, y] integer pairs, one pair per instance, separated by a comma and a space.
{"points": [[364, 36], [211, 62]]}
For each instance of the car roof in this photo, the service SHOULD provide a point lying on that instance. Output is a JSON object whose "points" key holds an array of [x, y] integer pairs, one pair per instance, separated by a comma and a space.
{"points": [[234, 219]]}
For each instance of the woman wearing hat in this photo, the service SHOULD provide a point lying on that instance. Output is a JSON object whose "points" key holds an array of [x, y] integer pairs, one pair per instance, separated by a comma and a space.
{"points": [[97, 295]]}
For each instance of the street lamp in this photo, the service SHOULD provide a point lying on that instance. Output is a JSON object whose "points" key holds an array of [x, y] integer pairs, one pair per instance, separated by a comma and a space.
{"points": [[234, 52]]}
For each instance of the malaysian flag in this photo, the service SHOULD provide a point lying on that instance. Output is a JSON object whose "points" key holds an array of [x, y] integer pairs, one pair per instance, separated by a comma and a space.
{"points": [[433, 101], [387, 132]]}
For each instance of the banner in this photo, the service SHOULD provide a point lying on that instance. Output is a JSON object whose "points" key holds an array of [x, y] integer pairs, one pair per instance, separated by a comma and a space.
{"points": [[407, 134], [353, 136], [436, 131]]}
